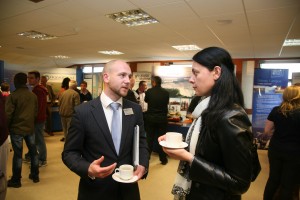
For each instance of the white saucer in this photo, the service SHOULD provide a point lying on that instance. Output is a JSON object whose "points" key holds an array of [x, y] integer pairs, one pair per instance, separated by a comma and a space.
{"points": [[181, 146], [118, 179]]}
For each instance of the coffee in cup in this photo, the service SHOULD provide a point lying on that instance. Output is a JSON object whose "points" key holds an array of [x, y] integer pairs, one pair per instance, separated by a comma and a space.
{"points": [[124, 172], [173, 139]]}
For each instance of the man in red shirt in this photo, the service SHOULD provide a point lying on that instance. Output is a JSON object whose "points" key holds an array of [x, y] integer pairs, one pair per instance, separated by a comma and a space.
{"points": [[41, 92]]}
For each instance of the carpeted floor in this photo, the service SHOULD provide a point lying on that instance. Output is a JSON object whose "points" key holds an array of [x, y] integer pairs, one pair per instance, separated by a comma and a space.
{"points": [[59, 183]]}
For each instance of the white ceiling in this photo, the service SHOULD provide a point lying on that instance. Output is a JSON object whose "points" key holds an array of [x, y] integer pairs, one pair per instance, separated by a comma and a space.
{"points": [[258, 29]]}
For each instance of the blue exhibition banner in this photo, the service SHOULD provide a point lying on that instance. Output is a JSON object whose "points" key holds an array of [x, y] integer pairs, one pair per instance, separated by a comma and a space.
{"points": [[271, 77], [267, 93]]}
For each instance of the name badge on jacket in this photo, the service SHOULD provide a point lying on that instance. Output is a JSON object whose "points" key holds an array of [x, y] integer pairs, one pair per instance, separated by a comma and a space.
{"points": [[128, 111]]}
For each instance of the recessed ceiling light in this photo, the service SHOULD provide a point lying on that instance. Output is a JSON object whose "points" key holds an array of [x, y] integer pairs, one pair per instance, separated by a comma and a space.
{"points": [[291, 42], [36, 1], [191, 47], [112, 52], [37, 35], [133, 18], [60, 57]]}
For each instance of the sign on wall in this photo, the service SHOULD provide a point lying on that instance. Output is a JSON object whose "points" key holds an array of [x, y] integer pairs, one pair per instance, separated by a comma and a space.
{"points": [[142, 76], [267, 93]]}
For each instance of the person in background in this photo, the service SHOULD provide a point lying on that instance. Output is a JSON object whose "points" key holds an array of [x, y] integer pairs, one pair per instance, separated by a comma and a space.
{"points": [[132, 95], [50, 102], [90, 149], [21, 110], [85, 95], [4, 148], [5, 89], [41, 92], [156, 117], [64, 86], [217, 164], [67, 102], [132, 83], [141, 91], [283, 124]]}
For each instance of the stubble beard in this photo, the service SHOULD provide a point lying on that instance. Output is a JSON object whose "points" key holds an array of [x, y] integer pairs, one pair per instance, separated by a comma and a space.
{"points": [[120, 93]]}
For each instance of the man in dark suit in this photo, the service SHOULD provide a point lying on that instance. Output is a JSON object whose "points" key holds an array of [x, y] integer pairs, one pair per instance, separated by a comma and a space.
{"points": [[90, 151], [156, 117]]}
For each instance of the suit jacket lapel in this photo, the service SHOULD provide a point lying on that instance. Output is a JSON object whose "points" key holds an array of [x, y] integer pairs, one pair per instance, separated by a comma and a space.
{"points": [[125, 125], [98, 113]]}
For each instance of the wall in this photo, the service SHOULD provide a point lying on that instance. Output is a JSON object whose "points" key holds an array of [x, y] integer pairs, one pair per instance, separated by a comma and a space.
{"points": [[247, 82], [1, 71]]}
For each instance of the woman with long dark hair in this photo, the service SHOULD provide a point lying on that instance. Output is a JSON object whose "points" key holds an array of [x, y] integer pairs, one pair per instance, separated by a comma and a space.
{"points": [[217, 163]]}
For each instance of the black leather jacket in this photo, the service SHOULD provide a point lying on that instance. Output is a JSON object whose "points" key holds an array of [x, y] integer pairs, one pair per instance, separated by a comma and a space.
{"points": [[222, 165]]}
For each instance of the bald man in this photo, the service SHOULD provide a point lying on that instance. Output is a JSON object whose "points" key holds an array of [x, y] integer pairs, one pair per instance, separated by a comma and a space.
{"points": [[90, 150]]}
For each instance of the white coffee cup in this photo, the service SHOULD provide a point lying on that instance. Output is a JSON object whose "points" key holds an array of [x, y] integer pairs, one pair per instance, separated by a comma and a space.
{"points": [[125, 172], [173, 139]]}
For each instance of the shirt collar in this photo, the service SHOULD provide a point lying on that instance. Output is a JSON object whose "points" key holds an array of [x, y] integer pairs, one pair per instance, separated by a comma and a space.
{"points": [[106, 101], [85, 92]]}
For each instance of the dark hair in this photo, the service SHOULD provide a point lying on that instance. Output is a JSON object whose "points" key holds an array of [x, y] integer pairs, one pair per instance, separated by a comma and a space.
{"points": [[226, 93], [20, 80], [4, 87], [157, 80], [65, 83], [36, 73], [83, 82], [141, 83]]}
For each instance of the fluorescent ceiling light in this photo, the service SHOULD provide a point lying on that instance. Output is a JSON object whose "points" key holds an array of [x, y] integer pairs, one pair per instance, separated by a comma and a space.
{"points": [[37, 35], [291, 42], [60, 57], [187, 47], [112, 52], [133, 18]]}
